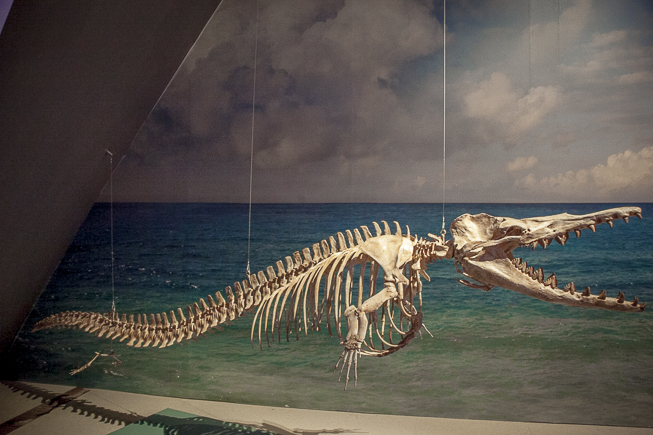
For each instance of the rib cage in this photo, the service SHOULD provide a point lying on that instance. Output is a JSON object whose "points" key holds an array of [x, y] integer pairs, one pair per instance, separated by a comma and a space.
{"points": [[270, 292]]}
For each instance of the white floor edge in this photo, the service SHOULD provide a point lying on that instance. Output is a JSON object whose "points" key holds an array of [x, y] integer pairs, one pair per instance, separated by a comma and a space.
{"points": [[99, 411]]}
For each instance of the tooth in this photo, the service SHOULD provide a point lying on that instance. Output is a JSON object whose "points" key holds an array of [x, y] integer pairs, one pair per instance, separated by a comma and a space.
{"points": [[544, 242], [635, 301], [539, 275], [609, 221], [639, 215], [571, 288], [592, 227], [523, 267], [552, 281], [529, 271], [602, 295], [577, 232], [533, 245], [587, 291], [562, 239], [620, 298], [516, 262], [626, 219]]}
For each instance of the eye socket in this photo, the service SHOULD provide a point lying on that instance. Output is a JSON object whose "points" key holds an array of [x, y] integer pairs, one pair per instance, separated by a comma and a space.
{"points": [[513, 231]]}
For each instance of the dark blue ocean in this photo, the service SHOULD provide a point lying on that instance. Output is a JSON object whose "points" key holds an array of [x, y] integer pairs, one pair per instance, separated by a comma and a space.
{"points": [[495, 355]]}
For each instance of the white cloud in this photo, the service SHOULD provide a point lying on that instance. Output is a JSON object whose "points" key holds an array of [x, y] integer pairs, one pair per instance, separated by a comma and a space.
{"points": [[490, 97], [613, 57], [503, 115], [522, 163], [622, 172], [551, 38], [551, 32], [533, 107], [636, 77], [602, 39], [568, 183], [583, 70], [573, 21]]}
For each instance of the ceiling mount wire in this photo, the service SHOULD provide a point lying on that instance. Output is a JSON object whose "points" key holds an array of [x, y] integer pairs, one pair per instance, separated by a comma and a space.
{"points": [[112, 313], [251, 155], [443, 231], [113, 261]]}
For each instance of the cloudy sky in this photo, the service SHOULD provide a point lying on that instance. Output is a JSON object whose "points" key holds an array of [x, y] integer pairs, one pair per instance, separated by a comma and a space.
{"points": [[546, 101]]}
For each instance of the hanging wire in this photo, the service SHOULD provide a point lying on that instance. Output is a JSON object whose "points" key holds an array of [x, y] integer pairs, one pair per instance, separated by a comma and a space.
{"points": [[111, 353], [113, 278], [251, 154], [113, 314], [444, 115]]}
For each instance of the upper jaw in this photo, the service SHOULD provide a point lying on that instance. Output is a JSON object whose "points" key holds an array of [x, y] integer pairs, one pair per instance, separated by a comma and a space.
{"points": [[543, 230], [475, 232]]}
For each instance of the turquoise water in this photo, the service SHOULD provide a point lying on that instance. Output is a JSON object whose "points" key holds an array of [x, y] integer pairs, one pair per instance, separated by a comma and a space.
{"points": [[495, 355]]}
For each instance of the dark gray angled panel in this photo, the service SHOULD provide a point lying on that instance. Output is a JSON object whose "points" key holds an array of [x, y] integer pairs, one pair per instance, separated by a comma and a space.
{"points": [[76, 77]]}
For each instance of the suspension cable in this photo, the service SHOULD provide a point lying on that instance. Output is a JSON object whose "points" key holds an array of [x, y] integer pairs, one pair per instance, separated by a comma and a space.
{"points": [[251, 154], [114, 316], [444, 114], [113, 278]]}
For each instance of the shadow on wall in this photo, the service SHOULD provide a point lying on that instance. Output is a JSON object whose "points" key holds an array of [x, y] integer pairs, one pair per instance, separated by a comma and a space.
{"points": [[169, 421]]}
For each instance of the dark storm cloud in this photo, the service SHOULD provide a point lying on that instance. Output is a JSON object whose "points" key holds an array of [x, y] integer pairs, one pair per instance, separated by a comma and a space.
{"points": [[349, 103], [319, 76]]}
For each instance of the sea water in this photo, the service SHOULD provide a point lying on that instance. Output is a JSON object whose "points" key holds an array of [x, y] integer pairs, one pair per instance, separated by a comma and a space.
{"points": [[495, 355]]}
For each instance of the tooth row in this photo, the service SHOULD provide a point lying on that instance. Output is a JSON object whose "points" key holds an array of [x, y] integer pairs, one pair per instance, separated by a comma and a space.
{"points": [[552, 281], [621, 298], [562, 238], [536, 274]]}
